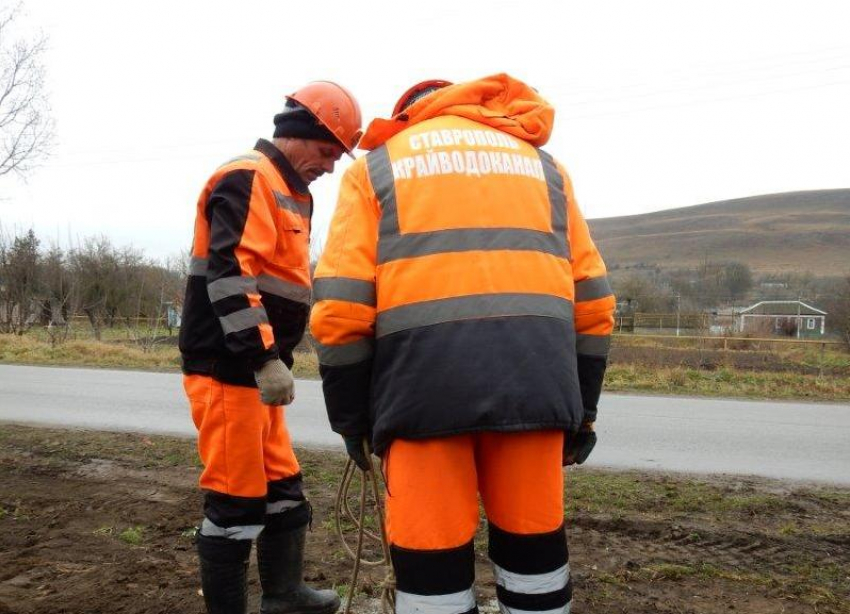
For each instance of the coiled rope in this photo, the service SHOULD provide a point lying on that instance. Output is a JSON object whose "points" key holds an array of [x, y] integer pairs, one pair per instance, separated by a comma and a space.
{"points": [[342, 512]]}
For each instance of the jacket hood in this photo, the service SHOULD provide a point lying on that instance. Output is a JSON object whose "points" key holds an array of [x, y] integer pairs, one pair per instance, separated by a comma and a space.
{"points": [[498, 101]]}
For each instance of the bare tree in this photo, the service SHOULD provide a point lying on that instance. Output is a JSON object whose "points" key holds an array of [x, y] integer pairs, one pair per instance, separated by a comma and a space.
{"points": [[26, 128], [93, 268], [19, 277]]}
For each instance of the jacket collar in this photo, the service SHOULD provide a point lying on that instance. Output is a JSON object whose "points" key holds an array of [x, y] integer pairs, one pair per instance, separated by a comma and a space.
{"points": [[283, 166]]}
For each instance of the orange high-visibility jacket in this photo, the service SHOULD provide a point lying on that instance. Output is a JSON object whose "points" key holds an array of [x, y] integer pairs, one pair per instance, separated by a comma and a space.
{"points": [[248, 295], [459, 290]]}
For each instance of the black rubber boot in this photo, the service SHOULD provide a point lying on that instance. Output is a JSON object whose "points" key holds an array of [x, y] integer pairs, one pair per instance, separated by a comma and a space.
{"points": [[280, 555], [224, 570]]}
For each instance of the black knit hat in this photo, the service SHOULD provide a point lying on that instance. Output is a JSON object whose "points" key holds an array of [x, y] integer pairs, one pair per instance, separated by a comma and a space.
{"points": [[297, 122]]}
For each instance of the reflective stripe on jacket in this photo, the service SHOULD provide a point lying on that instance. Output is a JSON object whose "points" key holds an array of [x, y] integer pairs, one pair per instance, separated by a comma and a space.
{"points": [[248, 294], [459, 289]]}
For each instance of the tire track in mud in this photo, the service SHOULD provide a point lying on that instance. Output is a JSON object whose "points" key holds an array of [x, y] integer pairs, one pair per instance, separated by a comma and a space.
{"points": [[730, 549]]}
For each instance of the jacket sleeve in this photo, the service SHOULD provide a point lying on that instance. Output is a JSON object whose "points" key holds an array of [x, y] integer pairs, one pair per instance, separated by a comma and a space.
{"points": [[342, 322], [242, 238], [594, 306]]}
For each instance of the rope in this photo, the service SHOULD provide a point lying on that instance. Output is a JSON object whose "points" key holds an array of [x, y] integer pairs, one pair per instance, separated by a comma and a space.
{"points": [[342, 511]]}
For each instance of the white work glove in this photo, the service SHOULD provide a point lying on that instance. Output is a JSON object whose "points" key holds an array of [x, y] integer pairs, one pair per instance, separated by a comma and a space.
{"points": [[275, 383]]}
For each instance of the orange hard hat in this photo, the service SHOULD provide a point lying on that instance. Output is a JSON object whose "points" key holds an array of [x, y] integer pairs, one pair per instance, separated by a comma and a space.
{"points": [[335, 108], [423, 88]]}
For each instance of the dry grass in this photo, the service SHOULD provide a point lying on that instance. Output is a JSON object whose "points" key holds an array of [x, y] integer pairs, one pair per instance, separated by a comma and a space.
{"points": [[28, 350], [726, 382], [25, 349]]}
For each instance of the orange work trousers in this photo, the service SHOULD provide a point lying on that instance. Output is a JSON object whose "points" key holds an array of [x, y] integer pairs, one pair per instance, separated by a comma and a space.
{"points": [[433, 486], [243, 443], [432, 516]]}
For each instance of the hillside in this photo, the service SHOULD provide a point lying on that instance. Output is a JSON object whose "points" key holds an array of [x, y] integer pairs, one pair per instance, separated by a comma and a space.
{"points": [[789, 232]]}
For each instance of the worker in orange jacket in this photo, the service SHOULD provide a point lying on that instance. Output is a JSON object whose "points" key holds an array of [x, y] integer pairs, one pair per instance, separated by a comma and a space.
{"points": [[462, 321], [246, 307]]}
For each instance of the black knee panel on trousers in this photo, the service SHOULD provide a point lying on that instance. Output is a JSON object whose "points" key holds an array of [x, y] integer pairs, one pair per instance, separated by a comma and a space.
{"points": [[434, 572], [528, 554]]}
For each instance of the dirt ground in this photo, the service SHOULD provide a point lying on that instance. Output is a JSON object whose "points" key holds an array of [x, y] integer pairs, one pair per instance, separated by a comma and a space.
{"points": [[103, 523]]}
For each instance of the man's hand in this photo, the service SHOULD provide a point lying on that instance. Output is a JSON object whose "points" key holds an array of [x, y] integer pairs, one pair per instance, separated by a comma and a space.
{"points": [[275, 383], [354, 447], [578, 446]]}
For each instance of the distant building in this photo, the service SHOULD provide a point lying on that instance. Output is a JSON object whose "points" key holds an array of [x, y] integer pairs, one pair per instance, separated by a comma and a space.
{"points": [[788, 318]]}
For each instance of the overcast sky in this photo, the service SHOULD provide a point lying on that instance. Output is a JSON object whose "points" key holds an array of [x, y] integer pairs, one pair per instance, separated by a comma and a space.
{"points": [[658, 104]]}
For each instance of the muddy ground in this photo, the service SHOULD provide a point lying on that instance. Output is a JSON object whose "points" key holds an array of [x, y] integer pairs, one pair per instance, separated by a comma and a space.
{"points": [[103, 523]]}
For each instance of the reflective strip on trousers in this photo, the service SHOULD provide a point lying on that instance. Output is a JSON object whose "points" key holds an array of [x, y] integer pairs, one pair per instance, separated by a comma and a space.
{"points": [[508, 610], [532, 584], [592, 289], [278, 507], [292, 205], [455, 603], [284, 289], [198, 266], [210, 529], [231, 286], [345, 289], [593, 345], [344, 354], [242, 319], [475, 306], [394, 245]]}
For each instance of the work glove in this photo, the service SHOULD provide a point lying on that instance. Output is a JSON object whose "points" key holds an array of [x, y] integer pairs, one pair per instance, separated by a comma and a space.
{"points": [[354, 447], [275, 383], [579, 445]]}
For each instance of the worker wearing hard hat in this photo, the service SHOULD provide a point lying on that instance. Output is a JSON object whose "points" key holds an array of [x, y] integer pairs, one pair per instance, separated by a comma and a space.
{"points": [[462, 321], [246, 307]]}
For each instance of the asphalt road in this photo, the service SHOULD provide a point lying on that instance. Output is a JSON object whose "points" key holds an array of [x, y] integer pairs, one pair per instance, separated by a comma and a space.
{"points": [[798, 441]]}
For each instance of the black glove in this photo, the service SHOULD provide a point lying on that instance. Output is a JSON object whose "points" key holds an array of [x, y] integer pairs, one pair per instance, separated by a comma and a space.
{"points": [[579, 445], [354, 447]]}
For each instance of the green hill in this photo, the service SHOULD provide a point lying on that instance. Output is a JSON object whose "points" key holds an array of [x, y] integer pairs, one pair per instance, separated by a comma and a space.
{"points": [[789, 232]]}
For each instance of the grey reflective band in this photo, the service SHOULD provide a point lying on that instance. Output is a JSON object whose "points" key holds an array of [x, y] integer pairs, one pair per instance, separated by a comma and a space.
{"points": [[284, 289], [467, 240], [395, 245], [345, 289], [210, 529], [557, 200], [278, 507], [252, 156], [427, 313], [242, 319], [593, 345], [198, 266], [592, 289], [231, 286], [292, 205], [503, 609], [454, 603], [345, 354], [381, 175], [535, 584]]}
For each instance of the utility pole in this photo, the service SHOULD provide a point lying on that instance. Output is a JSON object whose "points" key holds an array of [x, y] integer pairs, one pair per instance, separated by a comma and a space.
{"points": [[678, 311]]}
